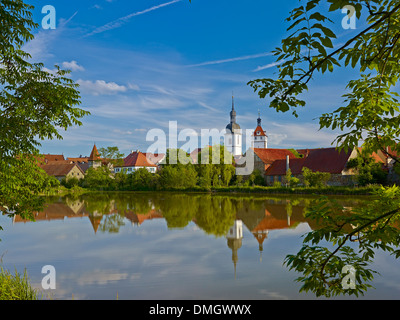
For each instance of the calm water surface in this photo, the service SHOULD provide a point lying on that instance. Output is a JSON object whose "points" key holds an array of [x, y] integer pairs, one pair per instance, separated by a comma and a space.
{"points": [[170, 246]]}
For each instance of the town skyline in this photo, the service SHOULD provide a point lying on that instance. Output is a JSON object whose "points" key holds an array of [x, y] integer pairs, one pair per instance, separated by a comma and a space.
{"points": [[142, 64]]}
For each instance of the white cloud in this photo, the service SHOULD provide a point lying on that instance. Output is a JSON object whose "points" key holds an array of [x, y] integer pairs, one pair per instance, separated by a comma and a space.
{"points": [[73, 66], [100, 87], [134, 87]]}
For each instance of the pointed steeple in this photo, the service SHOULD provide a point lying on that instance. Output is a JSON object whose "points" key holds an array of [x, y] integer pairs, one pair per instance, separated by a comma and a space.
{"points": [[233, 112], [259, 119]]}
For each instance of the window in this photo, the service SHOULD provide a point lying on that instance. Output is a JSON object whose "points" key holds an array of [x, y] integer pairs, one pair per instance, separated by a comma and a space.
{"points": [[129, 169]]}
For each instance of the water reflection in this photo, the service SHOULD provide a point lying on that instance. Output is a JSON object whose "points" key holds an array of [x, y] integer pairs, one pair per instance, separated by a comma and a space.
{"points": [[219, 216]]}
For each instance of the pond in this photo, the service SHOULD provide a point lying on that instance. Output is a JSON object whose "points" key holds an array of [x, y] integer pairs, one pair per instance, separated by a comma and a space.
{"points": [[158, 246]]}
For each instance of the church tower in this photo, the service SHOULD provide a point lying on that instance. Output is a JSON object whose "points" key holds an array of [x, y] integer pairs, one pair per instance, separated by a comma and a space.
{"points": [[260, 138], [233, 135]]}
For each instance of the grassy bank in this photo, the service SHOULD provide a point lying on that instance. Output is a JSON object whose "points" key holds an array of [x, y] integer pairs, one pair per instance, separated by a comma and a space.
{"points": [[16, 286], [368, 190]]}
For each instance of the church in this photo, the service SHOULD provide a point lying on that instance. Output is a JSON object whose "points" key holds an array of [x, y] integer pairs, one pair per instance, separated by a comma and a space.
{"points": [[233, 135]]}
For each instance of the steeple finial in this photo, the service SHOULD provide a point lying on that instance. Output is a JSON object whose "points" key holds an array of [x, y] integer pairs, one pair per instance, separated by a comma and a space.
{"points": [[259, 118], [233, 102]]}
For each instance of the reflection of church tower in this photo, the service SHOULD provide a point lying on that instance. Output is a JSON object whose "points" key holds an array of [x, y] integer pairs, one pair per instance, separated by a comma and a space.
{"points": [[260, 236], [234, 237]]}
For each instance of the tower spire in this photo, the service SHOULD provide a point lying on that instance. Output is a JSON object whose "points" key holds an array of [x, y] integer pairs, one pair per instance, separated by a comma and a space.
{"points": [[259, 118]]}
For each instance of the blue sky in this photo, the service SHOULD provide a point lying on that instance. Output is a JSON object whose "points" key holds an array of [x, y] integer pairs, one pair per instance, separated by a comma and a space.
{"points": [[143, 63]]}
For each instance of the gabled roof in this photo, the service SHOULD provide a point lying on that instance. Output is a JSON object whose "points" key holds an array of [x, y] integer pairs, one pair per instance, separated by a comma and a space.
{"points": [[259, 129], [137, 159], [59, 169], [268, 156]]}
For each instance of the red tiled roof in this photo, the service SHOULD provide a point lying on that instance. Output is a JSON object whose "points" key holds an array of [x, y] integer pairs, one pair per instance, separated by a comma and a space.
{"points": [[154, 157], [59, 169], [79, 160], [137, 159], [53, 157], [259, 129], [278, 168], [322, 160], [268, 156], [46, 158]]}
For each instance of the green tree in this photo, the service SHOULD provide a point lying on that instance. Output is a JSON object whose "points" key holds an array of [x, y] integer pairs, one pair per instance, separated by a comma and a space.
{"points": [[98, 179], [112, 154], [34, 105], [370, 110], [291, 181], [315, 179], [215, 166], [141, 179], [367, 170]]}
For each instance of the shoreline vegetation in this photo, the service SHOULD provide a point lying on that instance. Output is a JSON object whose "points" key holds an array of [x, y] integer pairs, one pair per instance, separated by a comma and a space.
{"points": [[255, 190]]}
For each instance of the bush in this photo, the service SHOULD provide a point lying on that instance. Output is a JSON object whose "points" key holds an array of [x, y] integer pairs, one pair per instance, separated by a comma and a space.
{"points": [[315, 179]]}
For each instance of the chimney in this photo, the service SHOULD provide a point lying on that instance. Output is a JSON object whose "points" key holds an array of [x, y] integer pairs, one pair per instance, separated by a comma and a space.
{"points": [[287, 163]]}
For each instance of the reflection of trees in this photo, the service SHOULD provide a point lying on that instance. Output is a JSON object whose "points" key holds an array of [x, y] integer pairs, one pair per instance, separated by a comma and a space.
{"points": [[356, 233], [215, 214], [179, 209], [111, 223]]}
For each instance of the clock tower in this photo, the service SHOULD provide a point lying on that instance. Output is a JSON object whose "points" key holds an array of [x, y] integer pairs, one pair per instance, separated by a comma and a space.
{"points": [[260, 138]]}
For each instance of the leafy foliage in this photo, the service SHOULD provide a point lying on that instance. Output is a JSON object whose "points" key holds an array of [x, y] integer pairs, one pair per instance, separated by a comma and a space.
{"points": [[34, 105], [374, 226], [368, 171], [370, 111], [314, 179]]}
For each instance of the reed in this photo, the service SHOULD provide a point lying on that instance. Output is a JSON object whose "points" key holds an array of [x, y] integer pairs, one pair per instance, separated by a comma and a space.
{"points": [[16, 286]]}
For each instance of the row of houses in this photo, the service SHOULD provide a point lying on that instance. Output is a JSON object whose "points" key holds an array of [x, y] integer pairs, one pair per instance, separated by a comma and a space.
{"points": [[272, 163], [64, 168]]}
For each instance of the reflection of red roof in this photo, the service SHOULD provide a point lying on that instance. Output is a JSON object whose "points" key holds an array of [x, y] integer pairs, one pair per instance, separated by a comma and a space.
{"points": [[260, 130], [137, 159], [271, 223], [139, 218], [268, 156]]}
